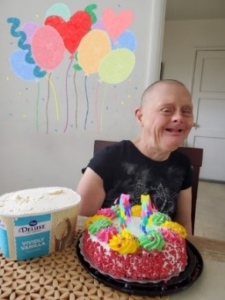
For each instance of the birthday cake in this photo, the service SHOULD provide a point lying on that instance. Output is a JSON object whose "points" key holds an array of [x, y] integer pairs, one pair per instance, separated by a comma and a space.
{"points": [[134, 243]]}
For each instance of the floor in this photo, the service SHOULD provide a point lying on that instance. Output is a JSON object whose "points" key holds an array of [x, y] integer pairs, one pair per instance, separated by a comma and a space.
{"points": [[210, 211]]}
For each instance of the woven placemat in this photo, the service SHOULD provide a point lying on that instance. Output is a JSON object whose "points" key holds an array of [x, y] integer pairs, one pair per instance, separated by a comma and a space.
{"points": [[56, 276]]}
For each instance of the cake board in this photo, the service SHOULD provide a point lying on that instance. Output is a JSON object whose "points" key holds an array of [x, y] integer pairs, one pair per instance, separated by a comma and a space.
{"points": [[157, 289]]}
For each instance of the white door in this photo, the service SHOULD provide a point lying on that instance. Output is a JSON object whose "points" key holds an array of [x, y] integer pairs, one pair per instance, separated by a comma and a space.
{"points": [[209, 113]]}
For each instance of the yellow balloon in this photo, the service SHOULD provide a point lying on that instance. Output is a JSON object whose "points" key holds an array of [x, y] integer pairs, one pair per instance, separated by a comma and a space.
{"points": [[93, 47], [116, 66]]}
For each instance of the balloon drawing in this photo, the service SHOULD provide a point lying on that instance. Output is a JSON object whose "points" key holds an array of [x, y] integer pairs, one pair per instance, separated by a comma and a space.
{"points": [[73, 30], [126, 40], [116, 66], [94, 46], [115, 23], [20, 66], [47, 47], [59, 9], [29, 29], [24, 46], [102, 45]]}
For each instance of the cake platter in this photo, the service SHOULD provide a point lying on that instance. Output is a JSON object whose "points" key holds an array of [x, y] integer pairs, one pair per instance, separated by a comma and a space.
{"points": [[147, 288]]}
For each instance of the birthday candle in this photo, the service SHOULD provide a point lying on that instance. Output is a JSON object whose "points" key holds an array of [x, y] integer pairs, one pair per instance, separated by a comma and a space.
{"points": [[146, 211], [146, 205], [125, 211]]}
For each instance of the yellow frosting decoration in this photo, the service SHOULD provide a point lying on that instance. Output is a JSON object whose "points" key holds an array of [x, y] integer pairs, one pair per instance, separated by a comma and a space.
{"points": [[124, 242], [94, 218], [176, 227], [136, 210]]}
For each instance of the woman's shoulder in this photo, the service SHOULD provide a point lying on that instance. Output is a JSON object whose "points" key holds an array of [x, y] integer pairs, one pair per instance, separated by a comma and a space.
{"points": [[110, 156], [178, 156], [116, 147]]}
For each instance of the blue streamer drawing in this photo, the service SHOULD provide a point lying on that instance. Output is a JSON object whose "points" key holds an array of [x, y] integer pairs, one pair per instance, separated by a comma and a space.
{"points": [[22, 45]]}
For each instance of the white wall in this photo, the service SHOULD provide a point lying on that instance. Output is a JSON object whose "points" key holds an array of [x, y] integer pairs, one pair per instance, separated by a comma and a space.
{"points": [[182, 39], [31, 156]]}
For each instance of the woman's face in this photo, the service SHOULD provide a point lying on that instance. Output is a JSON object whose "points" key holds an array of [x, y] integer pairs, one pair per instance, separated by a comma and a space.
{"points": [[166, 116]]}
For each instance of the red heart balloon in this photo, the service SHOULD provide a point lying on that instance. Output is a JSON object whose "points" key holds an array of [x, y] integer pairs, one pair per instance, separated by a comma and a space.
{"points": [[72, 31]]}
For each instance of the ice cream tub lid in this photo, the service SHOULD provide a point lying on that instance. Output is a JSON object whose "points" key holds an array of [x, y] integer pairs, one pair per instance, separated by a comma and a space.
{"points": [[37, 201]]}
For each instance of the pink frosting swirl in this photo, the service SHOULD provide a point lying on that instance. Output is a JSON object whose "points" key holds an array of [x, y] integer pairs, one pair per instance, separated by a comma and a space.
{"points": [[169, 235], [105, 234], [108, 212]]}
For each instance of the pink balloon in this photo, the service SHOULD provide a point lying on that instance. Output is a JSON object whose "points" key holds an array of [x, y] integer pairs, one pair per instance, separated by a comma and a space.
{"points": [[116, 23], [47, 47]]}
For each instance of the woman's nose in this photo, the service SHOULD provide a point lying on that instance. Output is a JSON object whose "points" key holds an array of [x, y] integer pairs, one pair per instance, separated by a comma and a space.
{"points": [[177, 117]]}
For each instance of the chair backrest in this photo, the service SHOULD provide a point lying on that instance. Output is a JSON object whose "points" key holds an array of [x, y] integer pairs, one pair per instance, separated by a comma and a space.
{"points": [[195, 155]]}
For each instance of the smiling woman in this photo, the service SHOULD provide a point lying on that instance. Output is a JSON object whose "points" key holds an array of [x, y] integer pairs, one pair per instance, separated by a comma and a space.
{"points": [[166, 118], [148, 164]]}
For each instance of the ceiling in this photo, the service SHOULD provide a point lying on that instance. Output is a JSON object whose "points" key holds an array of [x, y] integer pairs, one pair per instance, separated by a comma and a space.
{"points": [[195, 9]]}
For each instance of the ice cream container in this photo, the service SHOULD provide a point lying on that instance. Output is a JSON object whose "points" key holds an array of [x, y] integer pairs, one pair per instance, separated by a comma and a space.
{"points": [[36, 222]]}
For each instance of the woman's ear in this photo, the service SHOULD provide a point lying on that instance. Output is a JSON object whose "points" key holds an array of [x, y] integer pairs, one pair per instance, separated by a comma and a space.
{"points": [[139, 115]]}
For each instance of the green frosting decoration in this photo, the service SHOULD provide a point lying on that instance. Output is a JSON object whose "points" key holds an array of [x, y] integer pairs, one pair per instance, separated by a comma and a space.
{"points": [[98, 224], [159, 218], [116, 210], [153, 240]]}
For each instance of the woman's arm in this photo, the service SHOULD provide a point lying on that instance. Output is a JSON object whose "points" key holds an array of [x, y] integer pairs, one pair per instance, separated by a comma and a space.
{"points": [[183, 212], [92, 193]]}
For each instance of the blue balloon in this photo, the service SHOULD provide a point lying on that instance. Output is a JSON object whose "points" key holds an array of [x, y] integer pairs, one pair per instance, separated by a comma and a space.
{"points": [[20, 67], [126, 40]]}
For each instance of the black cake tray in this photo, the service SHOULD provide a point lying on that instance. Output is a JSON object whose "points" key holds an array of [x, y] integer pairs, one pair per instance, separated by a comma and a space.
{"points": [[176, 284]]}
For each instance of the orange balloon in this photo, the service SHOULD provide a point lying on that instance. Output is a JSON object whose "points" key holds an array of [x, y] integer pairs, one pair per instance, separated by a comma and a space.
{"points": [[94, 46]]}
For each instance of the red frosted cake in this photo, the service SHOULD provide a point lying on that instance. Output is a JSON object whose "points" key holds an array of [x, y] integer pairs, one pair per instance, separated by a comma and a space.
{"points": [[134, 243]]}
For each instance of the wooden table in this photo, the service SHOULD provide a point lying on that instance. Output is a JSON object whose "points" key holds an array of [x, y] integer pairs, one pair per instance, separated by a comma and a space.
{"points": [[211, 284], [61, 276]]}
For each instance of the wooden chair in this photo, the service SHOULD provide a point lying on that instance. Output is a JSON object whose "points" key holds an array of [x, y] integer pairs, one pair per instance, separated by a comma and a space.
{"points": [[195, 155]]}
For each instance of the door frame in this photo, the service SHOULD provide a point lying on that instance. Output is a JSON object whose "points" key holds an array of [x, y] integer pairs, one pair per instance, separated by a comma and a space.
{"points": [[196, 49]]}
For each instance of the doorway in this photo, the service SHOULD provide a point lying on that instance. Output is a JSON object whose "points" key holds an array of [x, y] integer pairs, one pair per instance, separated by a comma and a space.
{"points": [[208, 95]]}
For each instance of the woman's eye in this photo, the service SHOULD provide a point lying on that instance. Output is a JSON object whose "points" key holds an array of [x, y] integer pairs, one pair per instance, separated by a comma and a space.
{"points": [[167, 110], [187, 112]]}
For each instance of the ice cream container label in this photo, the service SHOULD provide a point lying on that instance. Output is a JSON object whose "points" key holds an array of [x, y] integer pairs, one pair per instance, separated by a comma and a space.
{"points": [[4, 246], [32, 236], [37, 222]]}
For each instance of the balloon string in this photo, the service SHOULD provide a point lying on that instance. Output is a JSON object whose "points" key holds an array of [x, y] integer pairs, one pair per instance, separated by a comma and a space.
{"points": [[67, 101], [55, 97], [76, 99], [37, 104], [96, 102], [46, 108], [85, 87], [103, 102]]}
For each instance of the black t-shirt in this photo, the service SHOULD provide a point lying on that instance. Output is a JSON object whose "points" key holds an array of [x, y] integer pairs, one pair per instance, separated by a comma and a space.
{"points": [[125, 170]]}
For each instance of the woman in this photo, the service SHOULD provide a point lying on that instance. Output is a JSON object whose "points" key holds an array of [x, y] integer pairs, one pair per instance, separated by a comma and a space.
{"points": [[149, 164]]}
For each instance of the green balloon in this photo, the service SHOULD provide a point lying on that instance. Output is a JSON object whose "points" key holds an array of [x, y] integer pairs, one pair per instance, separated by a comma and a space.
{"points": [[59, 9], [116, 66]]}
